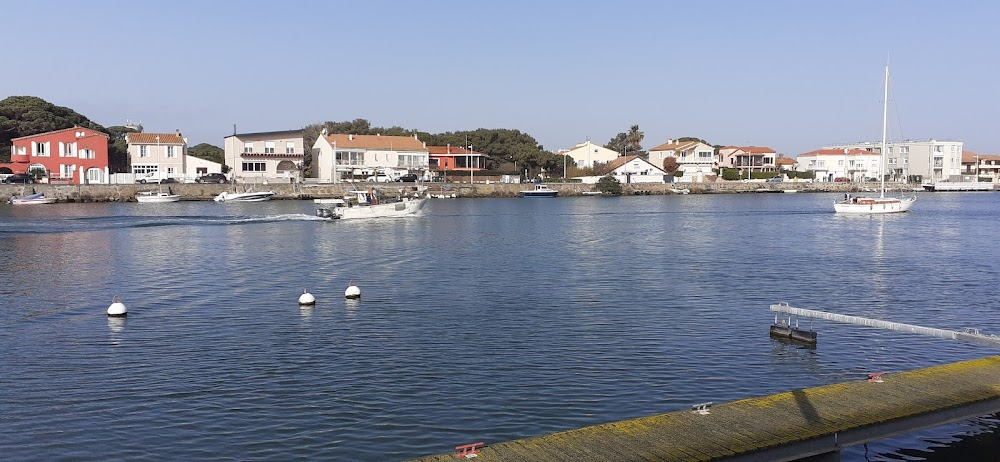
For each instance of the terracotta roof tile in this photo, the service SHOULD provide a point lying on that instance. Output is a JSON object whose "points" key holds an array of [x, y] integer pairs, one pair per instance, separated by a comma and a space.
{"points": [[151, 138], [620, 161], [401, 143], [63, 130]]}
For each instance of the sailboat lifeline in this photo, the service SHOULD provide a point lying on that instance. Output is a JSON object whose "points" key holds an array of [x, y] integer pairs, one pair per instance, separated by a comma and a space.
{"points": [[880, 204]]}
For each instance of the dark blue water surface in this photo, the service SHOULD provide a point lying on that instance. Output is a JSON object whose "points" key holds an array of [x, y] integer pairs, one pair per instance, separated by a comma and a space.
{"points": [[482, 320]]}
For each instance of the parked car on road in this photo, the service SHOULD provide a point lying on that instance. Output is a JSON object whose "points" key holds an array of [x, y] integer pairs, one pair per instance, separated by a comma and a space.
{"points": [[378, 179], [775, 179], [211, 178], [408, 178], [22, 178]]}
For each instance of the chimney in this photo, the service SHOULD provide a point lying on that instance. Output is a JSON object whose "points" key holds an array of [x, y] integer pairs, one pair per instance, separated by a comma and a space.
{"points": [[178, 132], [350, 137]]}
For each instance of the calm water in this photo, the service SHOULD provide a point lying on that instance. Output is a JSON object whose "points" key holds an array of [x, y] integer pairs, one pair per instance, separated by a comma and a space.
{"points": [[483, 320]]}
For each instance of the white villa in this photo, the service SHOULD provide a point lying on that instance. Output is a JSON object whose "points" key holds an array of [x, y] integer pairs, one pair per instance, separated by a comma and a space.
{"points": [[931, 160], [265, 155], [585, 155], [338, 155], [830, 164], [631, 170], [696, 159], [157, 155]]}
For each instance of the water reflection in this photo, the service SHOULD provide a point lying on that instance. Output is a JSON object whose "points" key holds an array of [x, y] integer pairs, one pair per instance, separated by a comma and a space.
{"points": [[116, 326]]}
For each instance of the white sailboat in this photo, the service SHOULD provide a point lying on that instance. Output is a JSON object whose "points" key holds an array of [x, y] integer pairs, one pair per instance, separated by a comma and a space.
{"points": [[880, 204]]}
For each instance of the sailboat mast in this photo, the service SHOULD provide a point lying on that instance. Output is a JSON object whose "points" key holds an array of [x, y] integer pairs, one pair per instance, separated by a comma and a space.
{"points": [[885, 118]]}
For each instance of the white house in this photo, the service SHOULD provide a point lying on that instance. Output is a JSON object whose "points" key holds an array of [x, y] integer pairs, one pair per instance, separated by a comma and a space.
{"points": [[830, 164], [196, 166], [338, 155], [157, 155], [632, 169], [585, 155], [694, 158], [265, 155]]}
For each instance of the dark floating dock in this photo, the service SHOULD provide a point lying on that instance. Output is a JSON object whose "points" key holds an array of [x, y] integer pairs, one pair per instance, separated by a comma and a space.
{"points": [[813, 422]]}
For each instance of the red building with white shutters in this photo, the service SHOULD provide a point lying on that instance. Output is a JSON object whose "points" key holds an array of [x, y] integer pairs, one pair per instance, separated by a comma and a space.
{"points": [[70, 156]]}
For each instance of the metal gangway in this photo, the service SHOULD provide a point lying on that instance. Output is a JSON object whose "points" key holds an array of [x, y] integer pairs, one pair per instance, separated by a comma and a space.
{"points": [[968, 334]]}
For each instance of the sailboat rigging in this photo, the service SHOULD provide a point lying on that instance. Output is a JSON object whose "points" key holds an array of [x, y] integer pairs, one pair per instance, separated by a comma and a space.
{"points": [[880, 204]]}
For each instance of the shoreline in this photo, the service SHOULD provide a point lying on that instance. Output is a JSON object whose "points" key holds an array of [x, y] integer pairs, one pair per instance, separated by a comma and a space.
{"points": [[308, 190]]}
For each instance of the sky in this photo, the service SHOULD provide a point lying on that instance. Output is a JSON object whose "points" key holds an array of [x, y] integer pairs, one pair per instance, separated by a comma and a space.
{"points": [[791, 75]]}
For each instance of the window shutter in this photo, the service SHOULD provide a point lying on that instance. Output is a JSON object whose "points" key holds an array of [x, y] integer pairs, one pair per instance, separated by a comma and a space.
{"points": [[48, 148], [61, 147]]}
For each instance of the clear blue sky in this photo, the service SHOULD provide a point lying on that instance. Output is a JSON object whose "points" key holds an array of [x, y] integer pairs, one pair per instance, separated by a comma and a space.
{"points": [[791, 75]]}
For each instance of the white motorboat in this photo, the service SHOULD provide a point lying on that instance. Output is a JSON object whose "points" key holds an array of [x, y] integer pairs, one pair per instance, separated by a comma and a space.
{"points": [[154, 197], [250, 195], [540, 191], [31, 199], [880, 204], [369, 204], [680, 191]]}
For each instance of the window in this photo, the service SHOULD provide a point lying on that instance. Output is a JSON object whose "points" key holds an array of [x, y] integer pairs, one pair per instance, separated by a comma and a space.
{"points": [[290, 147], [247, 147], [269, 147], [704, 154], [143, 152], [170, 152], [144, 169], [938, 148], [411, 160], [86, 153], [350, 158], [41, 149], [21, 151], [171, 171], [904, 149], [254, 166], [94, 175], [840, 163], [65, 171], [66, 150]]}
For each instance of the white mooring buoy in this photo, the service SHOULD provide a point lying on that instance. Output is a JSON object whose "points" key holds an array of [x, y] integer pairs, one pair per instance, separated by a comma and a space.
{"points": [[117, 308], [352, 291], [306, 299]]}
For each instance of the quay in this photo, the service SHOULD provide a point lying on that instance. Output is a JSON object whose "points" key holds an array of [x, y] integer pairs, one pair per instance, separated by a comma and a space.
{"points": [[812, 424], [312, 190]]}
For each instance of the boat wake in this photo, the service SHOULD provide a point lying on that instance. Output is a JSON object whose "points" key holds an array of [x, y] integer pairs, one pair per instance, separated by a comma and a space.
{"points": [[85, 224]]}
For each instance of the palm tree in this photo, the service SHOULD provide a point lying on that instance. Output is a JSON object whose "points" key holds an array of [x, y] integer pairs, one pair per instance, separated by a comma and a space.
{"points": [[634, 138]]}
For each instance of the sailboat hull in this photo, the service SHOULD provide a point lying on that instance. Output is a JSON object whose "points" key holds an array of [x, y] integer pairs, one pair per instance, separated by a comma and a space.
{"points": [[869, 206]]}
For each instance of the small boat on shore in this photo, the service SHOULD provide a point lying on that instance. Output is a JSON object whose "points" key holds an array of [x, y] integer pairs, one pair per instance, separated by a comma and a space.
{"points": [[540, 191], [31, 199], [680, 190]]}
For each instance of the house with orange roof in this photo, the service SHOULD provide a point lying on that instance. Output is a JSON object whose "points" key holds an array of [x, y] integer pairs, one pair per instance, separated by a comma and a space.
{"points": [[833, 164], [696, 159], [786, 163], [264, 156], [156, 156], [441, 159], [344, 155], [748, 158], [632, 170], [980, 165], [69, 156]]}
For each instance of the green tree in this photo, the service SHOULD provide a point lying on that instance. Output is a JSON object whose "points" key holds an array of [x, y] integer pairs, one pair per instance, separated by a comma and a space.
{"points": [[609, 185], [211, 153], [31, 115], [628, 143], [118, 148]]}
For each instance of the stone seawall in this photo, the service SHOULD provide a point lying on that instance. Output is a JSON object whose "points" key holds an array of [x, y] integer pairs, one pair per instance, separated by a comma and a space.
{"points": [[196, 191]]}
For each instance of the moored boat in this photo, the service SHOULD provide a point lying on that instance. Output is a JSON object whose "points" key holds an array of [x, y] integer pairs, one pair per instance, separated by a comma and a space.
{"points": [[540, 191], [250, 195], [153, 197], [31, 199]]}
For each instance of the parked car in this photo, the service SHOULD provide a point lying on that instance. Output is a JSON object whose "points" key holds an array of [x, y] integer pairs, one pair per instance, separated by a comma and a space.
{"points": [[211, 178], [378, 179], [775, 179], [408, 178], [841, 179], [169, 180], [22, 178]]}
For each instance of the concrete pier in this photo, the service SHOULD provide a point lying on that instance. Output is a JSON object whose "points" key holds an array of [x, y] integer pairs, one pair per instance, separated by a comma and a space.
{"points": [[812, 423]]}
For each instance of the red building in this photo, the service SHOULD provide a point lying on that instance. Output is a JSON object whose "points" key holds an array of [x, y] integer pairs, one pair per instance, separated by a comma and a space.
{"points": [[450, 157], [70, 156]]}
